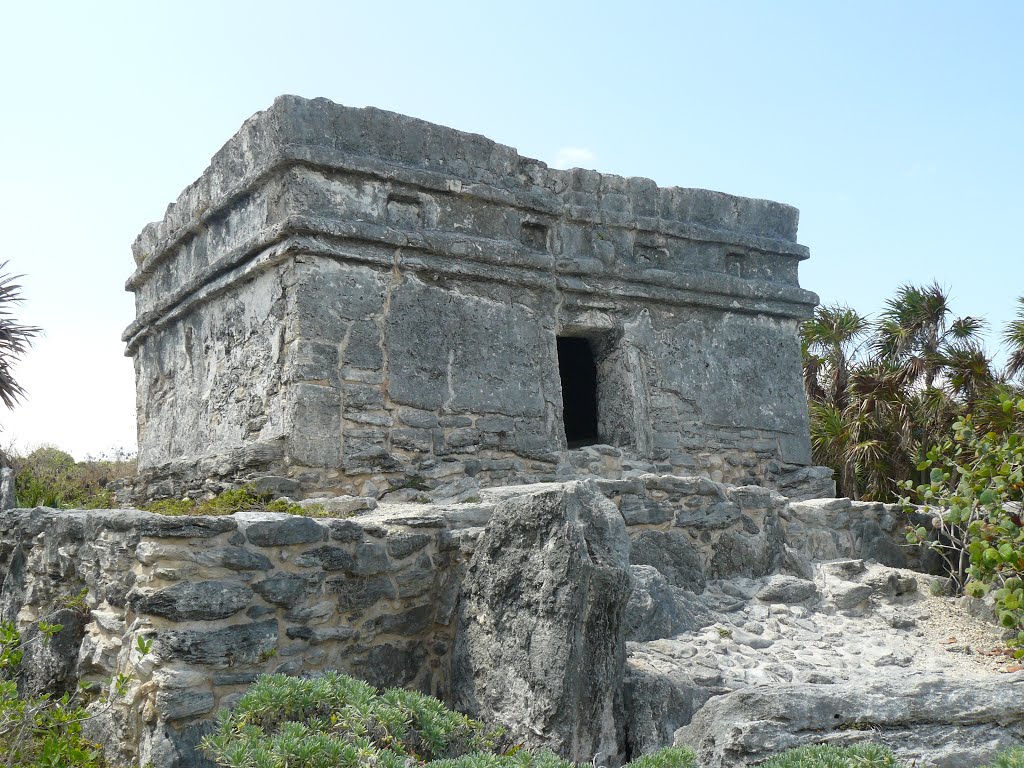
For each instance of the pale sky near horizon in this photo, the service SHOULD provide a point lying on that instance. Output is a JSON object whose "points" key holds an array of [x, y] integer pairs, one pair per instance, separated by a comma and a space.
{"points": [[895, 128]]}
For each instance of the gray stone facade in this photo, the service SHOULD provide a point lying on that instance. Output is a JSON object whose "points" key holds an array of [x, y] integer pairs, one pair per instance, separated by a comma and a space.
{"points": [[358, 300]]}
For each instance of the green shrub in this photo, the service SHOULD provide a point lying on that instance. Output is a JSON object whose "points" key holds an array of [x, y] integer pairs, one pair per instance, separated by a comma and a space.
{"points": [[39, 731], [233, 500], [670, 757], [974, 481], [50, 477], [1013, 758], [335, 721], [828, 756]]}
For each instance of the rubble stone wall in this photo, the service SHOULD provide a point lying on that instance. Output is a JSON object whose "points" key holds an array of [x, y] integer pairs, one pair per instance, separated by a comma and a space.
{"points": [[226, 598]]}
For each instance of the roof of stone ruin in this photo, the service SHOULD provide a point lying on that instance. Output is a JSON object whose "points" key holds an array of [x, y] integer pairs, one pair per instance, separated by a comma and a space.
{"points": [[319, 134]]}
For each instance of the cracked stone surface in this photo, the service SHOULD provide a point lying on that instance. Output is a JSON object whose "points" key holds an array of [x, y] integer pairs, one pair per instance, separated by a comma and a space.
{"points": [[844, 635]]}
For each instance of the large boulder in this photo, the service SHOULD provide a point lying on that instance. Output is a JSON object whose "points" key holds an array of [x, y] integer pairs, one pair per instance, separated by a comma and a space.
{"points": [[540, 643], [934, 720]]}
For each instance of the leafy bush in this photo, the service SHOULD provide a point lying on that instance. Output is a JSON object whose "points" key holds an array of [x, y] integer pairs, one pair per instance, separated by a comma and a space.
{"points": [[975, 487], [233, 500], [49, 477], [828, 756], [1013, 758], [335, 721], [39, 731], [670, 757], [864, 756]]}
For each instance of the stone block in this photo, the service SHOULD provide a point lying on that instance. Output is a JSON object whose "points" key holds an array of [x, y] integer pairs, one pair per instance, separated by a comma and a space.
{"points": [[405, 624], [238, 644], [181, 704], [673, 555], [356, 593], [283, 590], [402, 545], [284, 530], [327, 557], [193, 601]]}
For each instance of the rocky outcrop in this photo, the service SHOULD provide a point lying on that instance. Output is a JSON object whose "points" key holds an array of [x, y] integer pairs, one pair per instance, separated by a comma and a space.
{"points": [[933, 720], [594, 616], [781, 661], [540, 641]]}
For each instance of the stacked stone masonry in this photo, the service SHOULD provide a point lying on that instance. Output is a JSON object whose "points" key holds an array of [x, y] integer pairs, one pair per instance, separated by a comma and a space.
{"points": [[354, 299], [378, 595]]}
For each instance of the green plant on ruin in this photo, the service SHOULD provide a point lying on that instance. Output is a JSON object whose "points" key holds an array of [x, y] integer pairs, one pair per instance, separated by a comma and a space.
{"points": [[50, 477], [1012, 758], [234, 500], [828, 756], [335, 721], [41, 730], [975, 488]]}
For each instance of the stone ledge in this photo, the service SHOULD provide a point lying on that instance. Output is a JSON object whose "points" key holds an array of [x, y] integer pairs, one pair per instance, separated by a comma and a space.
{"points": [[297, 126]]}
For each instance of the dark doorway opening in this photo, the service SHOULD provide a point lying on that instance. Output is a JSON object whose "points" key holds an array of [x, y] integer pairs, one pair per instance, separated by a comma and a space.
{"points": [[578, 371]]}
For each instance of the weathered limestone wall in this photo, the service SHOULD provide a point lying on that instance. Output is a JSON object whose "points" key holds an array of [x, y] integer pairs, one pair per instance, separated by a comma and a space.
{"points": [[227, 598], [352, 297]]}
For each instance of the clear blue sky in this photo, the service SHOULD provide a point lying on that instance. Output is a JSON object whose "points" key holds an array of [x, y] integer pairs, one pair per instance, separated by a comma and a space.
{"points": [[895, 128]]}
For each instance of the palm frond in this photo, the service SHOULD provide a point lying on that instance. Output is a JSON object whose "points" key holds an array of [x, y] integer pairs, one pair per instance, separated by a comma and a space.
{"points": [[1013, 337], [15, 339]]}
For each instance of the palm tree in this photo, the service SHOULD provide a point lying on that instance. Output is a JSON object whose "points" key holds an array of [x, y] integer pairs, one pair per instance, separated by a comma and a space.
{"points": [[881, 393], [968, 371], [15, 339], [830, 345], [834, 444], [914, 331], [881, 404], [1013, 336]]}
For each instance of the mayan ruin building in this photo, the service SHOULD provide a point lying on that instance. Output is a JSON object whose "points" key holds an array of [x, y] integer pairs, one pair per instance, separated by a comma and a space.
{"points": [[350, 298], [533, 442]]}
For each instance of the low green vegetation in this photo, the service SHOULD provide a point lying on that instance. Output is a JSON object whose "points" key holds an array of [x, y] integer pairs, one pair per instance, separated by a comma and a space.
{"points": [[828, 756], [234, 500], [865, 756], [974, 492], [49, 477], [1013, 758], [335, 721], [40, 731]]}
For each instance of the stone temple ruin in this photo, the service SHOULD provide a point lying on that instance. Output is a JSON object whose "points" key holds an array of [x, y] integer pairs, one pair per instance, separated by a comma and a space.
{"points": [[557, 421], [351, 298]]}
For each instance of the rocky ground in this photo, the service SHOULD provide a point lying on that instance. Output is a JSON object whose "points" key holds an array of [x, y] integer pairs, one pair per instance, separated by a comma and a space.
{"points": [[849, 633]]}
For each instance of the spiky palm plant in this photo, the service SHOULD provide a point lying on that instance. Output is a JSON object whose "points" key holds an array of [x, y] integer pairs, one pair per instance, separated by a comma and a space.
{"points": [[1013, 337], [914, 330], [968, 371], [831, 342], [15, 339], [881, 407]]}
